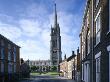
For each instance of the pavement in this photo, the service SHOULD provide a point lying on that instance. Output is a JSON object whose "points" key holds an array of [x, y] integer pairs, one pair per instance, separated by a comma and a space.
{"points": [[46, 78]]}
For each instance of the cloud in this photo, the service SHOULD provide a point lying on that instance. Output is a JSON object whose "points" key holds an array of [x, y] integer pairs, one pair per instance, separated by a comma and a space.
{"points": [[30, 27], [10, 31]]}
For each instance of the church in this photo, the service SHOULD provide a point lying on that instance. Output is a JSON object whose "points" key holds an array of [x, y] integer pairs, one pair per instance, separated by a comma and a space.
{"points": [[55, 43]]}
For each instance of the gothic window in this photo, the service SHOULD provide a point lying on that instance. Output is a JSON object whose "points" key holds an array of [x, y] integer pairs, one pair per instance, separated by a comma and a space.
{"points": [[98, 26], [54, 43]]}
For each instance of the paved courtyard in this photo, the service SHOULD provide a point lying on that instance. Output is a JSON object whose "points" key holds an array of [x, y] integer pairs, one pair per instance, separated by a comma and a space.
{"points": [[45, 78]]}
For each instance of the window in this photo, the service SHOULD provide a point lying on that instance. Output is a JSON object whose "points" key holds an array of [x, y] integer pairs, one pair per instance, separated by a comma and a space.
{"points": [[9, 55], [2, 66], [88, 41], [2, 43], [10, 67], [2, 53], [98, 26], [97, 58], [87, 18], [97, 1], [15, 67], [14, 53]]}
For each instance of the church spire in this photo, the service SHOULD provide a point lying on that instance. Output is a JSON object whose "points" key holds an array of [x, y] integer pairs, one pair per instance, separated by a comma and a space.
{"points": [[55, 20]]}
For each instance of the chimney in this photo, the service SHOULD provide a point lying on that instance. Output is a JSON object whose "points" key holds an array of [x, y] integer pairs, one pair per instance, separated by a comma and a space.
{"points": [[72, 52], [65, 56], [78, 51]]}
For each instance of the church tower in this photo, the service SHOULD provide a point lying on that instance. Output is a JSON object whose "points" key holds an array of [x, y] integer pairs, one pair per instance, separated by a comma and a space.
{"points": [[55, 43]]}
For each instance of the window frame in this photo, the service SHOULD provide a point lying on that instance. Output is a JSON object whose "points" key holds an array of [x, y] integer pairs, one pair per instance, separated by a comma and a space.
{"points": [[98, 71], [98, 26]]}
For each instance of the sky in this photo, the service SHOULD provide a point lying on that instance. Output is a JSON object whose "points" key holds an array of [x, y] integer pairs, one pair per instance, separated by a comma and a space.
{"points": [[27, 23]]}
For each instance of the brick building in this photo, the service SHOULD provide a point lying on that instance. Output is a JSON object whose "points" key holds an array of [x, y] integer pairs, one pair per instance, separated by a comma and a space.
{"points": [[9, 59], [95, 42]]}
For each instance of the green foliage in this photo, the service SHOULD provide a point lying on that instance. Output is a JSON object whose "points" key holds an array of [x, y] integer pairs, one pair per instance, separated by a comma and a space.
{"points": [[34, 68], [53, 68]]}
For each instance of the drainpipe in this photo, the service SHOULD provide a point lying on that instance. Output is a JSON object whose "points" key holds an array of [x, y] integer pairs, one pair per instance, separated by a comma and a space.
{"points": [[92, 41]]}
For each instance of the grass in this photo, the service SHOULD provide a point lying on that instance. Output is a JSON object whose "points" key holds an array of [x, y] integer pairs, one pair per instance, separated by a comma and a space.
{"points": [[34, 74], [48, 73]]}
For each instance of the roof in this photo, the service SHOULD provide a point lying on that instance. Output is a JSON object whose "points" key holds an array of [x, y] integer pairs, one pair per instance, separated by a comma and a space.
{"points": [[8, 40], [69, 58]]}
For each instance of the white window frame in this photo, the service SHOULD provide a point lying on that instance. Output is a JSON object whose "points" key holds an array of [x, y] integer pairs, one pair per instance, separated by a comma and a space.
{"points": [[98, 28], [108, 48], [97, 57]]}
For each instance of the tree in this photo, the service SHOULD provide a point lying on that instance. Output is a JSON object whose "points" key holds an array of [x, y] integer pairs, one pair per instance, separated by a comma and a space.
{"points": [[33, 68], [53, 68]]}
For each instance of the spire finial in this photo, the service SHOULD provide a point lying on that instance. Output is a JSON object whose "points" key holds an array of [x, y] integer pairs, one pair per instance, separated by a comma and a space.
{"points": [[55, 20]]}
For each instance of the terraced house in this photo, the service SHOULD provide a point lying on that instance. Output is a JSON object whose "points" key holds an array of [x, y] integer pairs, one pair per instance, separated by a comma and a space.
{"points": [[95, 42], [9, 59]]}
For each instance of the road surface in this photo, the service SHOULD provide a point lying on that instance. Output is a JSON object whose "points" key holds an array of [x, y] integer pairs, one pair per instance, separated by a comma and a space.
{"points": [[45, 78]]}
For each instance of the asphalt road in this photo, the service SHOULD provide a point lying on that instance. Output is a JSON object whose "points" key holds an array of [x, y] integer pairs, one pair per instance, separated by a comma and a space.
{"points": [[43, 78]]}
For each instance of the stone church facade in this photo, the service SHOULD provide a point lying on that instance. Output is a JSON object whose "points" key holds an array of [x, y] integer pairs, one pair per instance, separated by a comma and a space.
{"points": [[55, 43]]}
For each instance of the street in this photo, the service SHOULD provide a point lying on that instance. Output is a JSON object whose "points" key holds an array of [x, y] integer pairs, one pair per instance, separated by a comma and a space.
{"points": [[45, 78]]}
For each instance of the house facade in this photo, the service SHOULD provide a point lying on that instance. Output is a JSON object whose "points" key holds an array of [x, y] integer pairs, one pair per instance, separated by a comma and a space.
{"points": [[95, 42], [71, 66], [9, 59], [64, 68]]}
